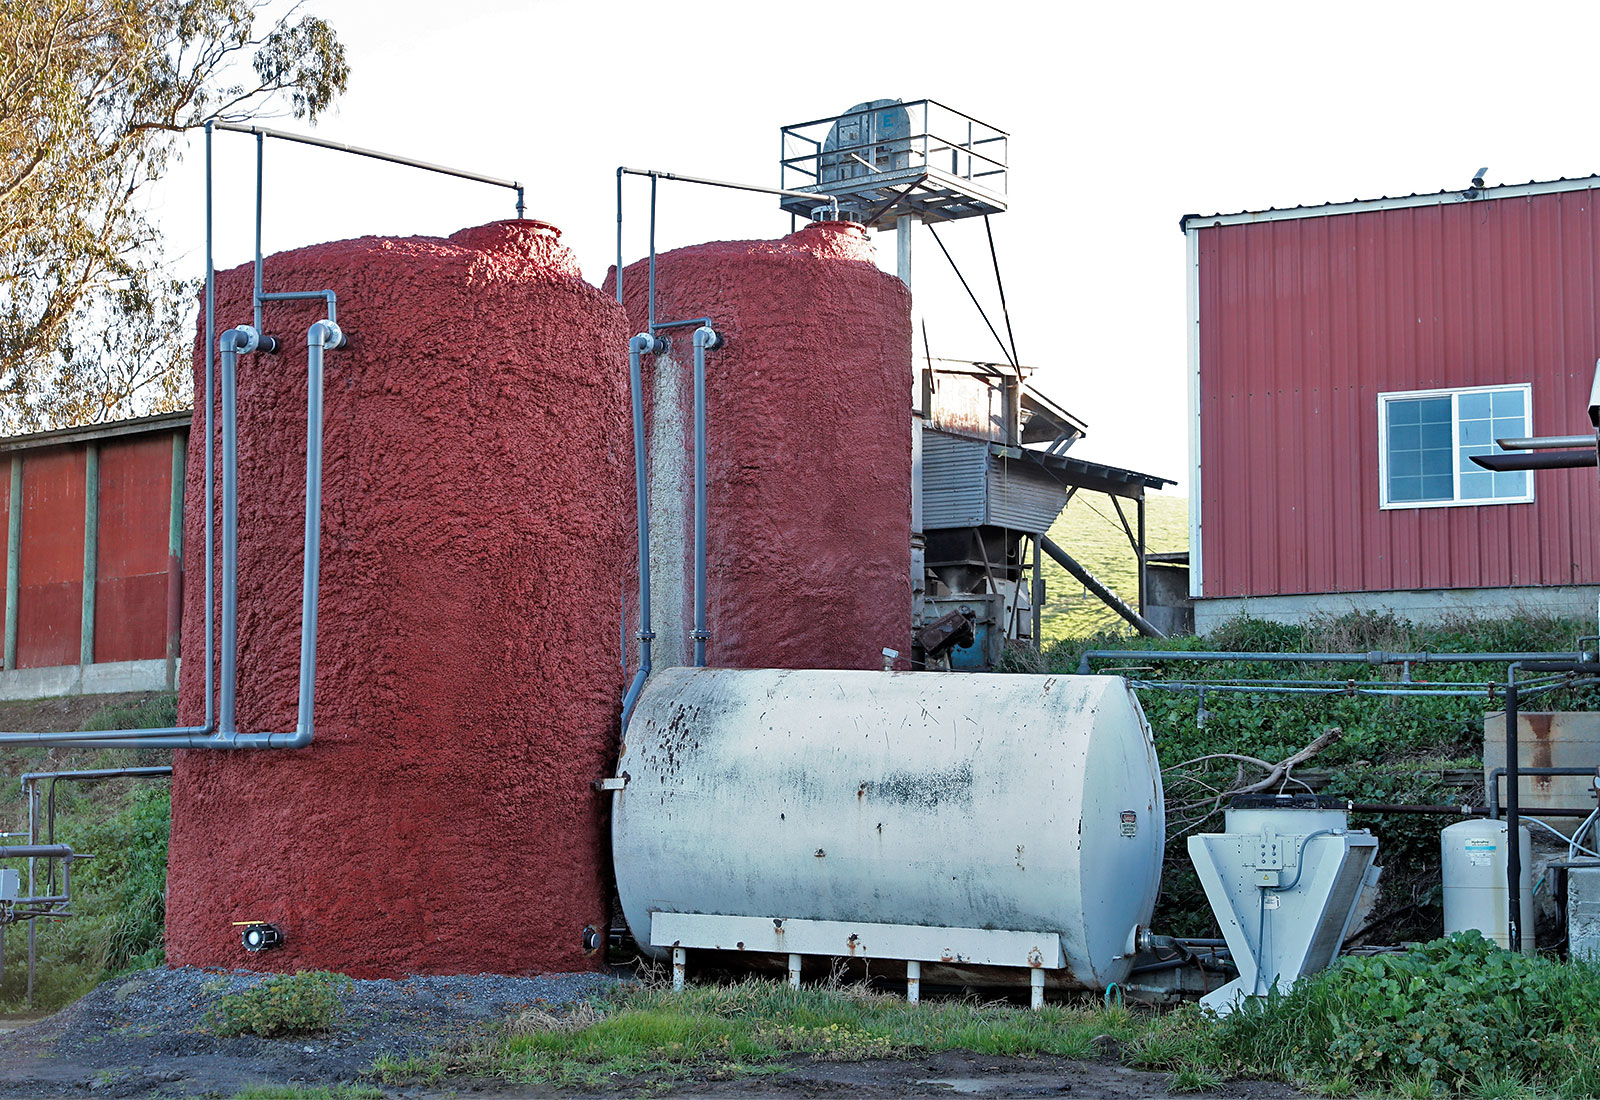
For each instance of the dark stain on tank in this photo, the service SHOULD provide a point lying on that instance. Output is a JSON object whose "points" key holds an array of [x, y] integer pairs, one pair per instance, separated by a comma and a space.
{"points": [[928, 789], [1539, 725]]}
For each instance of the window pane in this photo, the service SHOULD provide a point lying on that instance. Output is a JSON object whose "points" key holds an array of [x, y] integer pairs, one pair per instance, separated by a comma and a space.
{"points": [[1405, 464], [1466, 465], [1507, 403], [1405, 438], [1474, 405], [1509, 427], [1476, 432], [1434, 410], [1435, 435], [1511, 484], [1478, 485], [1438, 487], [1436, 462], [1406, 412], [1404, 490]]}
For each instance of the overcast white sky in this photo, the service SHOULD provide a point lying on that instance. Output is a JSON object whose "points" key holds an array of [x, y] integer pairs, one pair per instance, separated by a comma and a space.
{"points": [[1123, 117]]}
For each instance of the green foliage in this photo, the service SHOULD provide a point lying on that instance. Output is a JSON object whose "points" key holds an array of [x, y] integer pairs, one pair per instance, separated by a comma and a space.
{"points": [[119, 897], [94, 99], [283, 1004], [1457, 1014], [1392, 749]]}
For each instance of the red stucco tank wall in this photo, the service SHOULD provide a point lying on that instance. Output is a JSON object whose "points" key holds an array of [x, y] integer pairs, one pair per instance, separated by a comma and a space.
{"points": [[808, 427], [467, 678]]}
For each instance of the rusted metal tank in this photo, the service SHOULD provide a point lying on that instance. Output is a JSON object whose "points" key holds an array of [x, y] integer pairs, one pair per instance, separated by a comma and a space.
{"points": [[914, 800]]}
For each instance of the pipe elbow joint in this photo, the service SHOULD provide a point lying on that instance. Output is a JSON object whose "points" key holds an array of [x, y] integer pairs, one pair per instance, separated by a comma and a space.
{"points": [[706, 337], [325, 334], [240, 340], [646, 344]]}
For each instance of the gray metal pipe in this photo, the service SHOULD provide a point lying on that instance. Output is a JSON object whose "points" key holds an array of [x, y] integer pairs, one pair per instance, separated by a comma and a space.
{"points": [[1092, 583], [38, 851], [211, 447], [373, 154], [321, 336], [641, 345], [705, 338], [1374, 657], [92, 774]]}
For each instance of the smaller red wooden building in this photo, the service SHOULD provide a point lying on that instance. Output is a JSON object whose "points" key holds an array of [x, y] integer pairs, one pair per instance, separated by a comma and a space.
{"points": [[93, 557], [1345, 363]]}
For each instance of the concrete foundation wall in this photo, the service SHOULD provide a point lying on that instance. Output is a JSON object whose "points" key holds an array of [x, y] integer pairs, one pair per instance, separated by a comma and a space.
{"points": [[1429, 605]]}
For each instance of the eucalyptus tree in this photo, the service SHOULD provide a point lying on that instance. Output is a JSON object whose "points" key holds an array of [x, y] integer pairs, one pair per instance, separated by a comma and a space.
{"points": [[95, 99]]}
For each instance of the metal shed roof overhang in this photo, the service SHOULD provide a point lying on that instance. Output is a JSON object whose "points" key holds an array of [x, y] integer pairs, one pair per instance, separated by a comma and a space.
{"points": [[1362, 206], [1094, 476], [94, 433]]}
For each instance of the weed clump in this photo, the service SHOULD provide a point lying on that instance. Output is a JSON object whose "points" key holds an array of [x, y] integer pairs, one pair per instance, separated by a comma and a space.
{"points": [[283, 1004], [1441, 1014]]}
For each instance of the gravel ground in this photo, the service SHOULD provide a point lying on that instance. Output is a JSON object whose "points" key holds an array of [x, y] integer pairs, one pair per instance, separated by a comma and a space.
{"points": [[143, 1036]]}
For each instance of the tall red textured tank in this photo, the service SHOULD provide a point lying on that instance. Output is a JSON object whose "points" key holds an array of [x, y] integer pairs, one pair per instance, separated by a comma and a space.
{"points": [[809, 441], [476, 484]]}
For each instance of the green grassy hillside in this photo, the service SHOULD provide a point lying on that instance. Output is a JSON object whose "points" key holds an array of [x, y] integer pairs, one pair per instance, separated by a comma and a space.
{"points": [[1090, 531]]}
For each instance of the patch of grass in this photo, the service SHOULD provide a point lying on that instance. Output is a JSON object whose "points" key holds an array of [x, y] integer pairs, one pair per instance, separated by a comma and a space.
{"points": [[1195, 1079], [156, 712], [1089, 530], [321, 1092], [755, 1027], [283, 1004]]}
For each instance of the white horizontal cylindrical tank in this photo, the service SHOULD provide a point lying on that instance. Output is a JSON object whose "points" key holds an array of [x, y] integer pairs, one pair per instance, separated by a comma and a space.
{"points": [[1473, 865], [1028, 803]]}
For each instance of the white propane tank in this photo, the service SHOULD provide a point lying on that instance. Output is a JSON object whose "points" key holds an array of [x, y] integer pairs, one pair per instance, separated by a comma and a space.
{"points": [[1473, 863], [939, 800]]}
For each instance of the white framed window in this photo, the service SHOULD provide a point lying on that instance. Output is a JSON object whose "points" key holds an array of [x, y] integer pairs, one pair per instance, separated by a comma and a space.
{"points": [[1426, 440]]}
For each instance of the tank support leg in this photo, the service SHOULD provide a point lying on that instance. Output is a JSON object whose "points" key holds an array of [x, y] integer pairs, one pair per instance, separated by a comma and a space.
{"points": [[794, 971], [679, 965], [1036, 983], [913, 981]]}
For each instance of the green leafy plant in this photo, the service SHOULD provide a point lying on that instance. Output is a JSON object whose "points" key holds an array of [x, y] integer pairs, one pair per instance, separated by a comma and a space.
{"points": [[283, 1004]]}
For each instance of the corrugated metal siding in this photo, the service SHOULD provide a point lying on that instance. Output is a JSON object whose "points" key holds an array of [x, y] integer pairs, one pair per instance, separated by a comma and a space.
{"points": [[50, 564], [953, 480], [1021, 497], [131, 591], [1304, 322]]}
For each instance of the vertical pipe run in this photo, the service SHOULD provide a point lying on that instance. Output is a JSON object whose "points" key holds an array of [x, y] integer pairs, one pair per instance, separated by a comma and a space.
{"points": [[619, 236], [651, 304], [231, 341], [913, 982], [637, 347], [704, 337], [257, 296], [175, 560], [1513, 833], [13, 552], [1036, 988], [680, 963], [91, 550], [211, 447], [794, 971]]}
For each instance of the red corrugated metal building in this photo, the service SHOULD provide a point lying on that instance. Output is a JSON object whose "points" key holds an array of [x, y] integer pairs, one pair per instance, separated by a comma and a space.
{"points": [[1346, 361], [93, 557]]}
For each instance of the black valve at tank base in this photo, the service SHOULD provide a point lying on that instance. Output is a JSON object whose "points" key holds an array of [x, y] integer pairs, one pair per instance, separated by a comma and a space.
{"points": [[260, 936], [592, 940]]}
